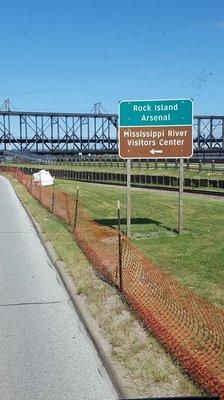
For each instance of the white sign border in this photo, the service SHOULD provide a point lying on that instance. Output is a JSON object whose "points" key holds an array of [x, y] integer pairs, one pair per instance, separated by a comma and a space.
{"points": [[151, 126]]}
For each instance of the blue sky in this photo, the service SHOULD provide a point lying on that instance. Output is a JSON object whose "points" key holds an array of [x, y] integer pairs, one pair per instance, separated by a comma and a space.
{"points": [[67, 55]]}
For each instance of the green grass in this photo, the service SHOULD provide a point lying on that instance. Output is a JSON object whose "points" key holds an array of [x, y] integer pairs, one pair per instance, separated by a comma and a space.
{"points": [[150, 370], [196, 257], [170, 171]]}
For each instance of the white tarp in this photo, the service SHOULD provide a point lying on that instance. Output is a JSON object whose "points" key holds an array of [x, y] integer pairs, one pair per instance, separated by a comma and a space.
{"points": [[43, 177]]}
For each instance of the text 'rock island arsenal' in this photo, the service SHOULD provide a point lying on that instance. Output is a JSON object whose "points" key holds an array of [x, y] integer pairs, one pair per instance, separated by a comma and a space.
{"points": [[155, 108]]}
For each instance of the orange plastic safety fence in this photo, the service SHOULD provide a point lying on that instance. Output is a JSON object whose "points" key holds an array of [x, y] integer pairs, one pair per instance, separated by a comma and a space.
{"points": [[60, 208], [190, 327], [99, 243]]}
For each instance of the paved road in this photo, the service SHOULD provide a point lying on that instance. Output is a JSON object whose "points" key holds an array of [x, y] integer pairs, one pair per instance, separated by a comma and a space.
{"points": [[44, 350]]}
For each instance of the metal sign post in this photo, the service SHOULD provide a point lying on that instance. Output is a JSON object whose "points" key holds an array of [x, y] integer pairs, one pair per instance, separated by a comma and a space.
{"points": [[128, 197], [156, 129], [181, 196], [119, 246]]}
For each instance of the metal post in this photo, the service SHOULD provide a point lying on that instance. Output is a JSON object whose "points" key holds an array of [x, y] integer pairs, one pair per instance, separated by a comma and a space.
{"points": [[67, 208], [81, 126], [128, 198], [119, 247], [181, 195], [199, 132], [40, 188], [211, 132], [21, 131], [76, 207], [88, 134], [52, 206]]}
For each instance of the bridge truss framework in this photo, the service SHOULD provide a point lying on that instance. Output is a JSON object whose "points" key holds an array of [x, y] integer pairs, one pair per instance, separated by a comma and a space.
{"points": [[55, 133]]}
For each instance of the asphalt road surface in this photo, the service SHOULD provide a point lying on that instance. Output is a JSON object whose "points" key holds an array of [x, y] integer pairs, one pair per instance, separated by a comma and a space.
{"points": [[45, 352]]}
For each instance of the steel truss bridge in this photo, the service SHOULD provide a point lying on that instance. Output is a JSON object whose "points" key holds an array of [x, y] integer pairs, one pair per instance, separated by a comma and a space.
{"points": [[70, 133]]}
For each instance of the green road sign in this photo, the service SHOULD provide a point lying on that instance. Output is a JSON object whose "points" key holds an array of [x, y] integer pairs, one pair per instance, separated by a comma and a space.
{"points": [[155, 112], [156, 128]]}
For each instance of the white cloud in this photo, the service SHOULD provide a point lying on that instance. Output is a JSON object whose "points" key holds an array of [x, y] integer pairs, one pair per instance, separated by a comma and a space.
{"points": [[219, 24], [215, 25]]}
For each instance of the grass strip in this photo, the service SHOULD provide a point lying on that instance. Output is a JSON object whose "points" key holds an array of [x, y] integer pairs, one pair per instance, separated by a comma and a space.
{"points": [[193, 172], [196, 257]]}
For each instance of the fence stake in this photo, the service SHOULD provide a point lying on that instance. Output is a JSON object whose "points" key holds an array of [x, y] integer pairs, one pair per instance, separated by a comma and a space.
{"points": [[119, 247], [76, 207], [52, 205], [67, 207], [40, 188]]}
